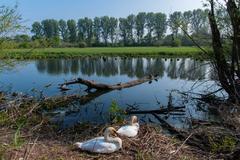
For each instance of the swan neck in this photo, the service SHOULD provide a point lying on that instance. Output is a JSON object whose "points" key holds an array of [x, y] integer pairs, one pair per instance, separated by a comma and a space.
{"points": [[115, 140]]}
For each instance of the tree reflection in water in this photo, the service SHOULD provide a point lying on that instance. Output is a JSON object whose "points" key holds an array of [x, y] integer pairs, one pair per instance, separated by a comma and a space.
{"points": [[184, 68]]}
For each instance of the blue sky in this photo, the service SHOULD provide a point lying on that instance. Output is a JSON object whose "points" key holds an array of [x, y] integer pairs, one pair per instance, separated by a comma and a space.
{"points": [[36, 10]]}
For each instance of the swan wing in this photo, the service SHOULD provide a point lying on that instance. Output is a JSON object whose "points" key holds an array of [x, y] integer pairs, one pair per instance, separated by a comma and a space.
{"points": [[128, 130], [98, 145]]}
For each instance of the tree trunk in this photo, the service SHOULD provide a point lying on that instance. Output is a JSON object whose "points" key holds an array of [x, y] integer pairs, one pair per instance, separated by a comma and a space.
{"points": [[103, 86], [226, 77]]}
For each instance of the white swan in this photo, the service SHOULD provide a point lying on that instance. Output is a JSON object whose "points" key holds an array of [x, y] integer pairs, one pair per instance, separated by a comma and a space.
{"points": [[104, 144], [130, 130]]}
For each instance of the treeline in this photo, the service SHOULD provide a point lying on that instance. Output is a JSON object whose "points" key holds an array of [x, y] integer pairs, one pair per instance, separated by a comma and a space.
{"points": [[143, 29]]}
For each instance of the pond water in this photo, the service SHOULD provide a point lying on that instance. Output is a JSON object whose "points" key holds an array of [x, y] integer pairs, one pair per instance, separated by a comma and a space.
{"points": [[41, 78]]}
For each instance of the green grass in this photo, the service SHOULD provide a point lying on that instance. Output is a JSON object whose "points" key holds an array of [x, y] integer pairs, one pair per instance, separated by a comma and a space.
{"points": [[80, 52]]}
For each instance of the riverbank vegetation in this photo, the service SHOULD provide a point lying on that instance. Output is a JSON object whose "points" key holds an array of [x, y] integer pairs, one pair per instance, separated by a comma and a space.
{"points": [[107, 51], [143, 29]]}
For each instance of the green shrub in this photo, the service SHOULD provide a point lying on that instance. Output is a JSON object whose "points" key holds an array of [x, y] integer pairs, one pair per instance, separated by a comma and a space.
{"points": [[24, 45], [8, 45], [116, 113], [176, 42], [54, 42], [82, 44], [224, 145]]}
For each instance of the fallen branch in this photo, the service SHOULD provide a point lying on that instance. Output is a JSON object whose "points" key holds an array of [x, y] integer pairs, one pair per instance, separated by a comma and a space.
{"points": [[159, 111], [103, 86]]}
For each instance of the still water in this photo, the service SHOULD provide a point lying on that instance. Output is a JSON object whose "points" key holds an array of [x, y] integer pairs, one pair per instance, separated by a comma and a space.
{"points": [[40, 78]]}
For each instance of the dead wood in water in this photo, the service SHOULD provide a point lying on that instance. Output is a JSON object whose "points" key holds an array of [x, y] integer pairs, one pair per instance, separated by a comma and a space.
{"points": [[102, 86], [159, 111], [100, 89]]}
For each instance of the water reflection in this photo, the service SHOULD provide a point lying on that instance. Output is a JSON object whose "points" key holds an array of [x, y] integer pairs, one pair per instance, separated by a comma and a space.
{"points": [[185, 68], [175, 74]]}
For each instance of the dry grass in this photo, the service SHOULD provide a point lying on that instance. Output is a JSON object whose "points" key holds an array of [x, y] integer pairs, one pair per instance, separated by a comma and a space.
{"points": [[48, 144], [25, 134]]}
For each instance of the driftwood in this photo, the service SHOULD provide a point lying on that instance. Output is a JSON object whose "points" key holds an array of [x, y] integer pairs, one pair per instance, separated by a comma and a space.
{"points": [[159, 111], [103, 86], [100, 88]]}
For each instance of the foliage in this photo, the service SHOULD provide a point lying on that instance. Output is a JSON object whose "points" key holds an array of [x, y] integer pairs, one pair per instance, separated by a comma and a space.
{"points": [[176, 42], [140, 25], [199, 21], [54, 41], [37, 30], [143, 29], [116, 113], [10, 20], [113, 22], [160, 25], [174, 22], [105, 28], [224, 145], [82, 45], [17, 140], [50, 28], [63, 29], [97, 29], [3, 118], [227, 67], [85, 30], [72, 28]]}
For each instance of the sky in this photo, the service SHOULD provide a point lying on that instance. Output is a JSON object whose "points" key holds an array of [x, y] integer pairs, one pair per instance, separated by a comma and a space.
{"points": [[37, 10]]}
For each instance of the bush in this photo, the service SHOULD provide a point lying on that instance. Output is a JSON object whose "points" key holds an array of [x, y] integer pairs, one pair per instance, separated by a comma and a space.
{"points": [[158, 43], [176, 42], [167, 41], [8, 45], [186, 41], [24, 45], [54, 42], [82, 44]]}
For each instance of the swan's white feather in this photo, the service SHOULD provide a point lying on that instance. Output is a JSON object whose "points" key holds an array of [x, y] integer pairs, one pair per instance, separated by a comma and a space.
{"points": [[98, 145], [129, 130]]}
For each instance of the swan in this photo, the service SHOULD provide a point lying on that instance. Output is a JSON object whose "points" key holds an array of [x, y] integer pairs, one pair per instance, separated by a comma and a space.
{"points": [[104, 144], [130, 130]]}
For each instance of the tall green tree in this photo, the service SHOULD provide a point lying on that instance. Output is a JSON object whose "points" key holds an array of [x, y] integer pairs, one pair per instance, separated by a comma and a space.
{"points": [[97, 29], [113, 23], [150, 20], [123, 30], [72, 28], [227, 66], [130, 28], [224, 22], [50, 28], [140, 25], [89, 24], [37, 30], [82, 29], [186, 20], [105, 28], [199, 21], [160, 25], [174, 22], [63, 30], [85, 30]]}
